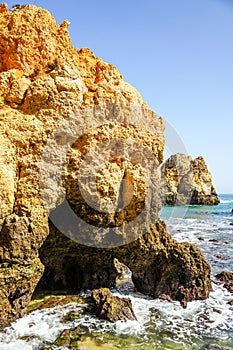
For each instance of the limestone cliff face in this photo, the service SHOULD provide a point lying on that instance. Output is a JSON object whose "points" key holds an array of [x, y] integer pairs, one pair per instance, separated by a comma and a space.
{"points": [[187, 181], [57, 104]]}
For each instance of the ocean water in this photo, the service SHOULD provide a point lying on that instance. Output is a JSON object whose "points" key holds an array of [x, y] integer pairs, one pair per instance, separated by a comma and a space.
{"points": [[160, 324]]}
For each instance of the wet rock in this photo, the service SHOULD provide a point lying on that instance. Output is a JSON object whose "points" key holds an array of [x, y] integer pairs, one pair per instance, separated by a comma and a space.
{"points": [[165, 297], [217, 311], [71, 316], [69, 338], [49, 301], [187, 181], [204, 317], [112, 308], [226, 278], [213, 347], [158, 263]]}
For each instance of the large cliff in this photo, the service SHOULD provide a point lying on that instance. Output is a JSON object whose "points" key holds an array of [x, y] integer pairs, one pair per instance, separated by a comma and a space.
{"points": [[187, 181], [79, 145]]}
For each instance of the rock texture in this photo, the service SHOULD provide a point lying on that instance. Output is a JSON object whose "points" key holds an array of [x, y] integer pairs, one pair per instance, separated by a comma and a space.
{"points": [[110, 307], [161, 267], [187, 181], [226, 277], [56, 105]]}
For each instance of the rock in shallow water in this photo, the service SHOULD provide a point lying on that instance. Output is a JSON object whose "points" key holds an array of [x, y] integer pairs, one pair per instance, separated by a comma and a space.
{"points": [[226, 277], [110, 307], [69, 338]]}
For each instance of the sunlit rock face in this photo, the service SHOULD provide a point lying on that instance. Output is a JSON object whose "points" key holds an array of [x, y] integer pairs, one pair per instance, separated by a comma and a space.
{"points": [[79, 145], [187, 181]]}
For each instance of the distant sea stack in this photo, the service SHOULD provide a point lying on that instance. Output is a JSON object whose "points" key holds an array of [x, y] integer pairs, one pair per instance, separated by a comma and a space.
{"points": [[187, 181], [45, 83]]}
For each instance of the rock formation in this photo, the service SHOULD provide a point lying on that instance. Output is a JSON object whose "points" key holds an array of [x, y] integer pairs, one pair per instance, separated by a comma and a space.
{"points": [[59, 109], [187, 181], [226, 277], [110, 307]]}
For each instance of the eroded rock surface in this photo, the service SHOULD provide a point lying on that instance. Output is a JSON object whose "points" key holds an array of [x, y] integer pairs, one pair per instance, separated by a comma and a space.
{"points": [[110, 307], [226, 278], [56, 105], [187, 181]]}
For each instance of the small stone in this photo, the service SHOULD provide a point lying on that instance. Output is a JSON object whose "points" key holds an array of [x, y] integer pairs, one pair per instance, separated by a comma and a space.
{"points": [[71, 316], [204, 317], [217, 311]]}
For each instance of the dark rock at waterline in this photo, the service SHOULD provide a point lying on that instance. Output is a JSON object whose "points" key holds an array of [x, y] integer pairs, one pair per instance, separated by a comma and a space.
{"points": [[158, 263], [213, 347], [214, 240], [110, 307], [226, 277]]}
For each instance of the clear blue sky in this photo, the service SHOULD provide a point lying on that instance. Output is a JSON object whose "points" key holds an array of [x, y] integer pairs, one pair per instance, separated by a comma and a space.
{"points": [[178, 54]]}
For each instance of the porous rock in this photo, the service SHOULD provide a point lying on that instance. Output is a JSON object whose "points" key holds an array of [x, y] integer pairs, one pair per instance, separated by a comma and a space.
{"points": [[226, 278], [110, 307], [187, 181], [45, 83]]}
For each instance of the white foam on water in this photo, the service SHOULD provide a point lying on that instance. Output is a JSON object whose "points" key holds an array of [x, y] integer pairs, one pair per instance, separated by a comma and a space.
{"points": [[226, 201], [157, 320], [159, 317], [38, 327]]}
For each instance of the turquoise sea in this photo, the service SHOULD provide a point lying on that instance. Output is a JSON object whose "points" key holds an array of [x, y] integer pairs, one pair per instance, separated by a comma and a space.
{"points": [[161, 324]]}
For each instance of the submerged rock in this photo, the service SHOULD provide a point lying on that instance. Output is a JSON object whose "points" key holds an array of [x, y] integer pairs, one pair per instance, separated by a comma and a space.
{"points": [[48, 301], [110, 307], [61, 108], [187, 181], [213, 347], [69, 338]]}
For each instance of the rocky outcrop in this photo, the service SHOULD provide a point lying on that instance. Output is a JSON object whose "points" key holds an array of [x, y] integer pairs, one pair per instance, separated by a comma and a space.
{"points": [[187, 181], [161, 267], [226, 278], [78, 145], [110, 307]]}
